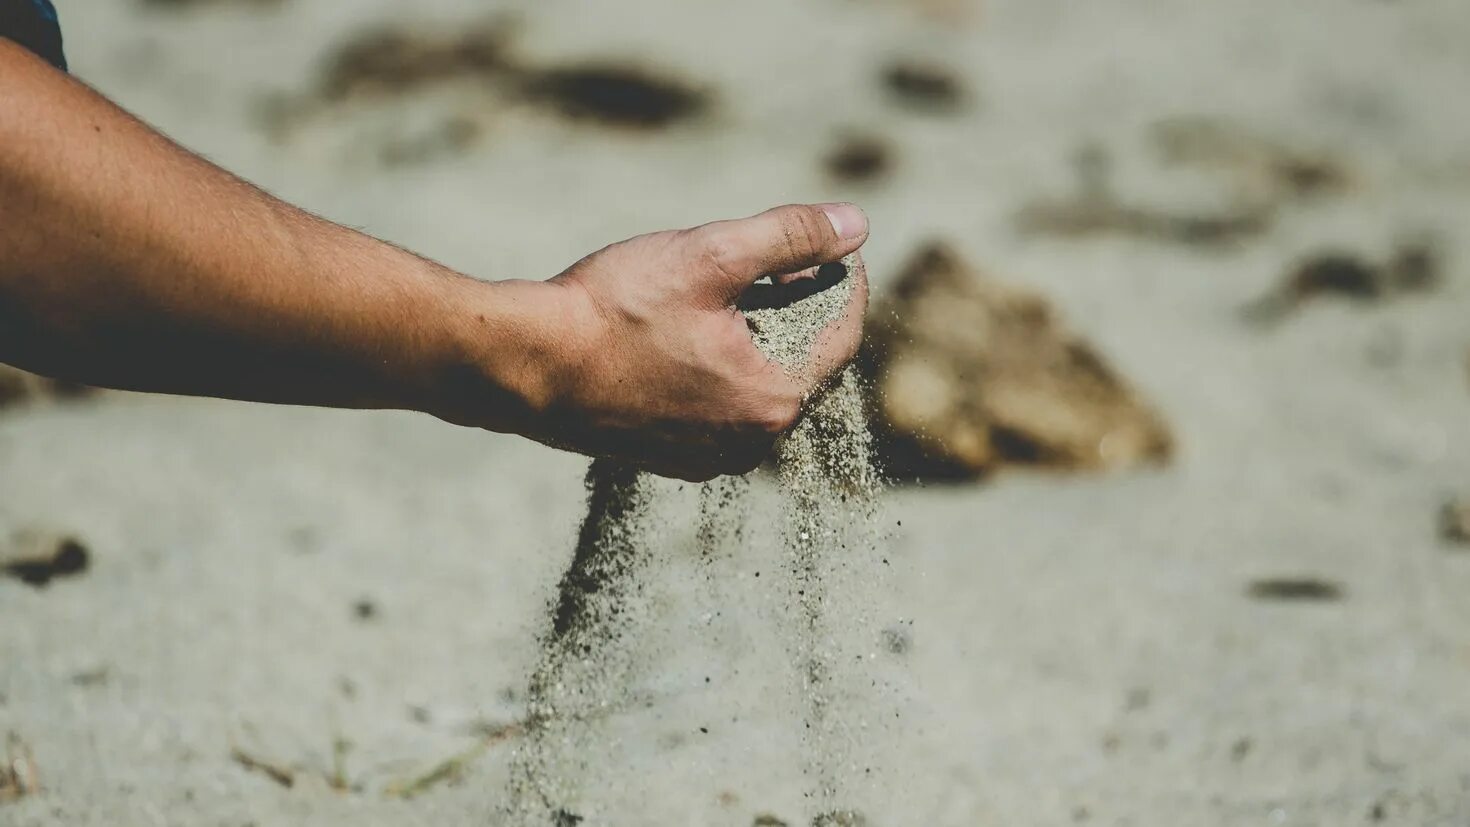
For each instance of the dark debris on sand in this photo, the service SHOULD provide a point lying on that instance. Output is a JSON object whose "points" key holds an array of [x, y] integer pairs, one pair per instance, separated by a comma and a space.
{"points": [[614, 95], [479, 59], [37, 558], [1260, 175], [394, 61], [1266, 169], [1095, 209], [1414, 267], [859, 159], [1454, 522], [841, 818], [1098, 216], [924, 86], [282, 776], [1295, 590]]}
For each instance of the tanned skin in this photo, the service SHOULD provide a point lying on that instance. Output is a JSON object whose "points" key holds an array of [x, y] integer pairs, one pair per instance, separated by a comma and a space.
{"points": [[128, 262]]}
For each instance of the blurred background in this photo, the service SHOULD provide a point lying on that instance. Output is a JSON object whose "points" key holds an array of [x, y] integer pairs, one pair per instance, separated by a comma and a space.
{"points": [[1171, 358]]}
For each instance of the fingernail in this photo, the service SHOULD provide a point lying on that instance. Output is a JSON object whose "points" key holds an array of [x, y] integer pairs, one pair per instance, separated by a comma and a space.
{"points": [[847, 220]]}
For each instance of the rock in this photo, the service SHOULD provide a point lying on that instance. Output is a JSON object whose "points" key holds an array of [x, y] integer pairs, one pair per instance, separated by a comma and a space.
{"points": [[971, 375]]}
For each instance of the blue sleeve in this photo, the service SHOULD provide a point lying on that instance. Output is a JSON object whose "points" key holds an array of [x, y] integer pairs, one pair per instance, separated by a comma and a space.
{"points": [[33, 24]]}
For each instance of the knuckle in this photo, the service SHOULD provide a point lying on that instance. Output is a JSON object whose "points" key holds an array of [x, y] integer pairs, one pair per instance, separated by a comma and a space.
{"points": [[779, 416], [714, 250], [733, 344], [806, 231]]}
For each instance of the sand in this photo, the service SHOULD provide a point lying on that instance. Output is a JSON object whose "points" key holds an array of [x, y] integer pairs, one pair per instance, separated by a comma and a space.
{"points": [[833, 562], [833, 566], [837, 570], [586, 670], [1088, 646]]}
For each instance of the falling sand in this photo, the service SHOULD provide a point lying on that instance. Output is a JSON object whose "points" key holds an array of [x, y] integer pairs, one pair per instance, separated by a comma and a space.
{"points": [[833, 574]]}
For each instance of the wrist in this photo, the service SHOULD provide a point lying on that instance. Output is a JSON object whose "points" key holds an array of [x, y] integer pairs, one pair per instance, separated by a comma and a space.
{"points": [[516, 345]]}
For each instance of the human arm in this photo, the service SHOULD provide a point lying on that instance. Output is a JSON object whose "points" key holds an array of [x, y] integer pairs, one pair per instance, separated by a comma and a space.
{"points": [[127, 262]]}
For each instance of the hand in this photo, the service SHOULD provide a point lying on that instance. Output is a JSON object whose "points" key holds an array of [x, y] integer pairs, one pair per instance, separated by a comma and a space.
{"points": [[660, 368]]}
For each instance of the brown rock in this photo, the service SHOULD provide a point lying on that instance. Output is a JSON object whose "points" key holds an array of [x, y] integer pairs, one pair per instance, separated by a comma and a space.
{"points": [[971, 375]]}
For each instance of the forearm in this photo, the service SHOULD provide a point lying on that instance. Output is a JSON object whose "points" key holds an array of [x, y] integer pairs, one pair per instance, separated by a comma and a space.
{"points": [[127, 262]]}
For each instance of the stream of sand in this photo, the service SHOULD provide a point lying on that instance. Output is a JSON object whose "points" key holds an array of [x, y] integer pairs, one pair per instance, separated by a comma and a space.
{"points": [[833, 570]]}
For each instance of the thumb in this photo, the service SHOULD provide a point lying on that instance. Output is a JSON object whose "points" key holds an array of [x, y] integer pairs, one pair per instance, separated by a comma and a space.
{"points": [[776, 242]]}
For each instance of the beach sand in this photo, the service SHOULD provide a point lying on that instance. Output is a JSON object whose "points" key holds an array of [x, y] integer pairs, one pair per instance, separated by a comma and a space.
{"points": [[1268, 630]]}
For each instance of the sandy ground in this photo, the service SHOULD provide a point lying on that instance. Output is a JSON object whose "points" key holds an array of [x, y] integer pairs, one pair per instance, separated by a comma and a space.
{"points": [[1085, 649]]}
